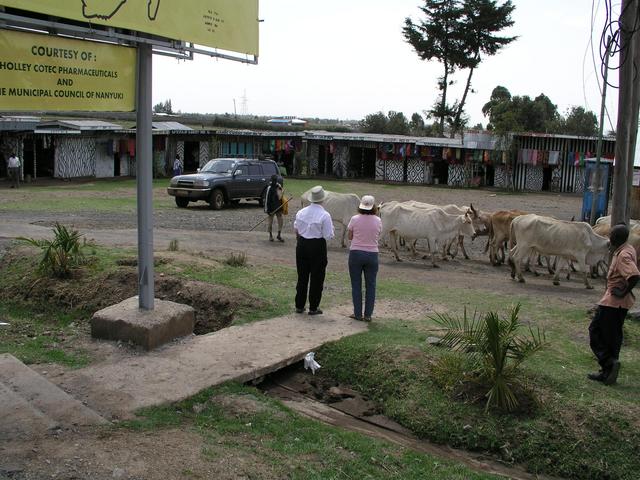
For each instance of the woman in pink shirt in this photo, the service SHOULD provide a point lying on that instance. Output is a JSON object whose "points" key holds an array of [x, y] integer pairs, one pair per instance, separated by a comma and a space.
{"points": [[364, 232]]}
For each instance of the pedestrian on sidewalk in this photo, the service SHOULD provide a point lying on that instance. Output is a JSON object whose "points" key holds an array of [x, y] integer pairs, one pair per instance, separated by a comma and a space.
{"points": [[177, 166], [605, 331], [313, 227], [364, 232], [13, 170], [273, 207]]}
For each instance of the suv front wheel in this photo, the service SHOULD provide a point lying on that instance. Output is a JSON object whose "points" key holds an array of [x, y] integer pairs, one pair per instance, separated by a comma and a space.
{"points": [[182, 202], [263, 198], [217, 199]]}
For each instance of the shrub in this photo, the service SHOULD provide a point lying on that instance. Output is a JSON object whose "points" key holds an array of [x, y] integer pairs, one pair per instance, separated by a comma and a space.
{"points": [[60, 255], [173, 245], [495, 351], [236, 259]]}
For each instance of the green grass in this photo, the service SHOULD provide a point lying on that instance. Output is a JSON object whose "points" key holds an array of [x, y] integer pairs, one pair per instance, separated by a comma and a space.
{"points": [[290, 446], [40, 338], [579, 429]]}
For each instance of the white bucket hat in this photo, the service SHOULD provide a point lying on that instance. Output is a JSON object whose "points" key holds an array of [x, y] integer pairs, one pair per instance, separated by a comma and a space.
{"points": [[316, 194], [367, 202]]}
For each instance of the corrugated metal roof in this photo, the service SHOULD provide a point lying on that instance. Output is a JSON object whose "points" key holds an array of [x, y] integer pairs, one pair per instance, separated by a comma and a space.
{"points": [[382, 138], [82, 125], [259, 133], [170, 126]]}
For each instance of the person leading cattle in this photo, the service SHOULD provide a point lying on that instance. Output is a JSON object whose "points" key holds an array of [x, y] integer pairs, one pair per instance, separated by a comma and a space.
{"points": [[605, 331], [313, 227], [273, 207]]}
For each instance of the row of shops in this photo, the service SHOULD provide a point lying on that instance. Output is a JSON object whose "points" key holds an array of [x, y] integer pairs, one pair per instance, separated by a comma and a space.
{"points": [[88, 148]]}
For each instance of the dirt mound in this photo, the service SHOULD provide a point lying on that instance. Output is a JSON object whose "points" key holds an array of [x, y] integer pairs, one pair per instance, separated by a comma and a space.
{"points": [[215, 305]]}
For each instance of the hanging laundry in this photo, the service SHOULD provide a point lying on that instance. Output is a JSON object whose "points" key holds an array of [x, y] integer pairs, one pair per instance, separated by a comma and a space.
{"points": [[408, 150], [534, 157], [486, 156], [272, 146], [445, 153], [554, 156], [458, 153], [131, 147], [332, 147]]}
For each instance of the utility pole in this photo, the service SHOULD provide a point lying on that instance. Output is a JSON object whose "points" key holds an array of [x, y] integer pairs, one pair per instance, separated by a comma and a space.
{"points": [[628, 106], [597, 178]]}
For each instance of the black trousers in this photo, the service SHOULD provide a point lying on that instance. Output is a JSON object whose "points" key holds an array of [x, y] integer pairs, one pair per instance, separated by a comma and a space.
{"points": [[311, 262], [605, 334]]}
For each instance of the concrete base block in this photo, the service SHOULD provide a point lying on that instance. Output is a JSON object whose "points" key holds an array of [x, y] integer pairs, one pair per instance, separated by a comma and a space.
{"points": [[148, 328]]}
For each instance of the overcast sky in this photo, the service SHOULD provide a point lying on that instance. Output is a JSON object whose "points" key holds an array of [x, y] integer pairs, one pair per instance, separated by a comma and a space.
{"points": [[348, 58]]}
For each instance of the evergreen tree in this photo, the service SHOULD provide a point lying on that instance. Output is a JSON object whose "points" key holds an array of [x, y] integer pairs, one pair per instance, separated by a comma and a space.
{"points": [[580, 122], [397, 124], [457, 33], [374, 123], [482, 20], [438, 36]]}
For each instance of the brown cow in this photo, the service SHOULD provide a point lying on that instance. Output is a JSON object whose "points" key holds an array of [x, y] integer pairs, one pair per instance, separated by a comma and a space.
{"points": [[499, 232]]}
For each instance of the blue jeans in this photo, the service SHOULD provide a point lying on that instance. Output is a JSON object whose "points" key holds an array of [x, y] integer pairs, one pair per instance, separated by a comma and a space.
{"points": [[363, 262]]}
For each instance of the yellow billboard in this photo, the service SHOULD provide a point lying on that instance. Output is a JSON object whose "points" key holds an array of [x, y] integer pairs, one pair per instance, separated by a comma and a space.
{"points": [[226, 24], [41, 72]]}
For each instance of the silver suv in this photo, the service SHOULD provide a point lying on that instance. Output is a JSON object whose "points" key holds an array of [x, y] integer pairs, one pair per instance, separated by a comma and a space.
{"points": [[224, 180]]}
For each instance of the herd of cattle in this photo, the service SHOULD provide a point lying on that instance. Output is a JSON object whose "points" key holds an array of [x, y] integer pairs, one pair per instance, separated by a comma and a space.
{"points": [[529, 237]]}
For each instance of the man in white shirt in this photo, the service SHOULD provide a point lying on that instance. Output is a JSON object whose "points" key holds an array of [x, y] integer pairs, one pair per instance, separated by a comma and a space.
{"points": [[313, 227], [13, 170]]}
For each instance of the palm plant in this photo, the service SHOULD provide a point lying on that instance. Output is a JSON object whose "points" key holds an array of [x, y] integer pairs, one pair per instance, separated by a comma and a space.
{"points": [[495, 349], [61, 254]]}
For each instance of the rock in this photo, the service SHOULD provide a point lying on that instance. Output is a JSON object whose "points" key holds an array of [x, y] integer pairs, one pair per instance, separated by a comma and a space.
{"points": [[434, 341], [198, 407], [118, 473]]}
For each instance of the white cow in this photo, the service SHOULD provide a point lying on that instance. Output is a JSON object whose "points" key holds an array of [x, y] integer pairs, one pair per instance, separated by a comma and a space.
{"points": [[633, 224], [574, 241], [480, 221], [434, 225], [341, 207]]}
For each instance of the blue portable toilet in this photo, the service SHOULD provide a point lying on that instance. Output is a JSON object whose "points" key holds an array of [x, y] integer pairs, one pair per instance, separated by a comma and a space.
{"points": [[602, 190]]}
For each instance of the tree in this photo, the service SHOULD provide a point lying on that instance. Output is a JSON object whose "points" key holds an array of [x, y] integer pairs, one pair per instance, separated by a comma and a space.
{"points": [[520, 113], [416, 125], [397, 124], [438, 36], [498, 95], [163, 107], [580, 122], [458, 33], [375, 123], [482, 19]]}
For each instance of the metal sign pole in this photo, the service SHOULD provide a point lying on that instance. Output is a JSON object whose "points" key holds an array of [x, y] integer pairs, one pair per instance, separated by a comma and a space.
{"points": [[144, 169]]}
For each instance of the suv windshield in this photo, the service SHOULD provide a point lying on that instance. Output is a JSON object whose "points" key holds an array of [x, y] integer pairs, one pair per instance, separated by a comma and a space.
{"points": [[219, 166]]}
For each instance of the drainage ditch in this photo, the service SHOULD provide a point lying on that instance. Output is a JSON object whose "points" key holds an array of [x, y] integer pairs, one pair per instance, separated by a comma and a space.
{"points": [[331, 403]]}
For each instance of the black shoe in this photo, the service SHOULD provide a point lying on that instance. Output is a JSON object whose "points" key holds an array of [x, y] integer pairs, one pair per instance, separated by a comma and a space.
{"points": [[612, 376], [317, 311], [271, 238], [355, 317], [366, 319], [596, 377], [299, 310], [280, 239]]}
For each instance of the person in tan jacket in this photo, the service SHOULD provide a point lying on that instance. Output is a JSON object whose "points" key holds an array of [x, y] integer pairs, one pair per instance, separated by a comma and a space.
{"points": [[605, 331]]}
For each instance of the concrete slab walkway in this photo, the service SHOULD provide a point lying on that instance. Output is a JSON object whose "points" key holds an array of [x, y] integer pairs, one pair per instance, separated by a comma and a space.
{"points": [[179, 370]]}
